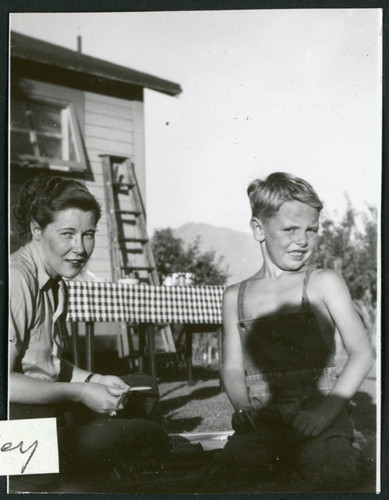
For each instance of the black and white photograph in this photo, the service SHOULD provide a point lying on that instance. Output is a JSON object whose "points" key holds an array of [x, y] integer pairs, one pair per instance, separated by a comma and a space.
{"points": [[194, 268]]}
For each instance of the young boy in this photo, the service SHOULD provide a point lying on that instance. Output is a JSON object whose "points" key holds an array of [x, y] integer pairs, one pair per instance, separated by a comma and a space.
{"points": [[278, 359]]}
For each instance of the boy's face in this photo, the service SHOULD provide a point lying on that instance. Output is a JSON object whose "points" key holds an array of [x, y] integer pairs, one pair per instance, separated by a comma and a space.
{"points": [[290, 235]]}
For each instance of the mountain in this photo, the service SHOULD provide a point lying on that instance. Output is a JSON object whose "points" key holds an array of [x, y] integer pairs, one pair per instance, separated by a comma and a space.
{"points": [[241, 252]]}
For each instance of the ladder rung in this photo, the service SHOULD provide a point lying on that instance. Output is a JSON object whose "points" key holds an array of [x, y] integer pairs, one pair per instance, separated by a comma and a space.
{"points": [[134, 240], [128, 212], [137, 268], [132, 250], [128, 185], [131, 222]]}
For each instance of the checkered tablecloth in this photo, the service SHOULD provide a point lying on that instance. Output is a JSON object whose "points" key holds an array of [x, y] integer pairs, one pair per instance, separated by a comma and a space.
{"points": [[137, 304]]}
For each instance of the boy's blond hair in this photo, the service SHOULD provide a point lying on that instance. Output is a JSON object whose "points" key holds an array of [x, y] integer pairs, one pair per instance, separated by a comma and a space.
{"points": [[267, 196]]}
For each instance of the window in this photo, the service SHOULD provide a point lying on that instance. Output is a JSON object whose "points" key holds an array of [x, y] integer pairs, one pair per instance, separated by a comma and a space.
{"points": [[46, 134]]}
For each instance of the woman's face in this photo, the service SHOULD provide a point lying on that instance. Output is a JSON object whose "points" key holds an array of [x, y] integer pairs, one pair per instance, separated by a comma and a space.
{"points": [[67, 242]]}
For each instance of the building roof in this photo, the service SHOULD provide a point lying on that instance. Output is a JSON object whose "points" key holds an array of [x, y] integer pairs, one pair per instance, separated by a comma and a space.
{"points": [[44, 54]]}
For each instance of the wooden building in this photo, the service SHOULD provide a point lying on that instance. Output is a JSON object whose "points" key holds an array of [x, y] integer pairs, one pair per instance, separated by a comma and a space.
{"points": [[67, 110]]}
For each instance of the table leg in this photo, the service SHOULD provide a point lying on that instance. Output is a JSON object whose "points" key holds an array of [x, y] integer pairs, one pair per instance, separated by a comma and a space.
{"points": [[74, 330], [141, 348], [188, 338], [89, 334], [151, 344]]}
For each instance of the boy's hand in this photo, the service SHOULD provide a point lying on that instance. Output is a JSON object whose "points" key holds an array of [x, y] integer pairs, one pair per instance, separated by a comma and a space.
{"points": [[310, 423], [244, 419]]}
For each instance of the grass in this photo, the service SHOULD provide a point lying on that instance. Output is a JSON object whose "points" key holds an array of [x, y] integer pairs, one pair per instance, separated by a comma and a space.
{"points": [[202, 407], [198, 408]]}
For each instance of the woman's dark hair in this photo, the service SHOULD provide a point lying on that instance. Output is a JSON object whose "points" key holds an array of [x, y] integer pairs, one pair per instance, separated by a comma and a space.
{"points": [[41, 198]]}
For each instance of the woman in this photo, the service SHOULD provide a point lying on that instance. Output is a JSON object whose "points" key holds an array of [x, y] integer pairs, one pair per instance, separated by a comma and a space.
{"points": [[57, 218]]}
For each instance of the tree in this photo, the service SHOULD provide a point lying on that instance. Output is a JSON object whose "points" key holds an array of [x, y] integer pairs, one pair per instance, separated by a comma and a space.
{"points": [[351, 246], [172, 256], [355, 247]]}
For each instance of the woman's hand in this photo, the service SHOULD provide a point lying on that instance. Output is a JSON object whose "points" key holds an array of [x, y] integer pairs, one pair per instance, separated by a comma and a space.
{"points": [[111, 381], [101, 398]]}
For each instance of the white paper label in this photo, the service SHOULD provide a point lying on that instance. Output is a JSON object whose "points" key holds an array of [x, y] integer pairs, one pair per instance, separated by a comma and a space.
{"points": [[28, 446]]}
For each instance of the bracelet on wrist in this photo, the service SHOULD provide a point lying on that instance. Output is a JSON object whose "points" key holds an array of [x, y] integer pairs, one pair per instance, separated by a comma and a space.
{"points": [[88, 378]]}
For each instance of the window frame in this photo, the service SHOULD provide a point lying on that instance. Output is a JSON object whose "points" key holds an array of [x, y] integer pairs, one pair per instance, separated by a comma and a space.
{"points": [[37, 161]]}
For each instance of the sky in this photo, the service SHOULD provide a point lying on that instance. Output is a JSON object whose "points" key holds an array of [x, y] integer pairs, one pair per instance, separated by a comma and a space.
{"points": [[287, 90]]}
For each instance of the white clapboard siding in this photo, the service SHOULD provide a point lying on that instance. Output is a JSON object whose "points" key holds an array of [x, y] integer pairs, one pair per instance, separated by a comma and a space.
{"points": [[109, 129], [111, 101], [102, 228], [107, 109], [110, 146], [98, 189], [98, 120], [100, 252], [113, 134]]}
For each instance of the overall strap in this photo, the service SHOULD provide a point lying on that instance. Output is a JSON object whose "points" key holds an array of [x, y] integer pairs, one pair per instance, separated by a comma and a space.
{"points": [[306, 305], [242, 288]]}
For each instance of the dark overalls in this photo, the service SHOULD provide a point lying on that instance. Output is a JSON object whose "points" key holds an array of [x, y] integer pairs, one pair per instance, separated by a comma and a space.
{"points": [[289, 366]]}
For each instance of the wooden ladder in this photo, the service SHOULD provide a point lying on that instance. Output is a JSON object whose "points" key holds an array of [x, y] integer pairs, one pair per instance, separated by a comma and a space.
{"points": [[129, 244]]}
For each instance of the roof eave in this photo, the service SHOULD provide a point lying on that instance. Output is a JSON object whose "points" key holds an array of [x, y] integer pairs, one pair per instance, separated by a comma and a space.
{"points": [[33, 50]]}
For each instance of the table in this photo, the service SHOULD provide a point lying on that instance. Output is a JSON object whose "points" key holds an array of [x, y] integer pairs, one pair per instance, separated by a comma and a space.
{"points": [[195, 307]]}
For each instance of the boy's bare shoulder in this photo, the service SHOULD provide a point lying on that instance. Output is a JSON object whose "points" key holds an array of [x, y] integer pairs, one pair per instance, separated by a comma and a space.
{"points": [[326, 274], [230, 301], [231, 292], [325, 281]]}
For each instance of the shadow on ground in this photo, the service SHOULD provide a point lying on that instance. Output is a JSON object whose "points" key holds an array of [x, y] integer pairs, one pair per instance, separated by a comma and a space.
{"points": [[167, 405], [181, 424]]}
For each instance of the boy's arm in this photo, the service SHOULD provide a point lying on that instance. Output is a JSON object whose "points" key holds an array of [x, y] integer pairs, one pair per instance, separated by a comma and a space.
{"points": [[336, 297], [360, 352], [233, 369]]}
